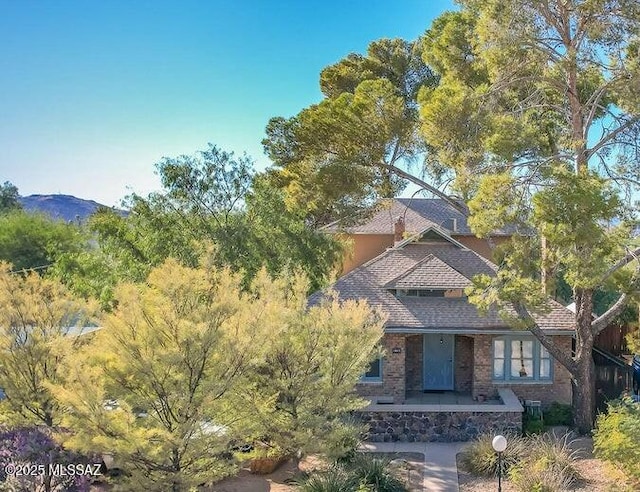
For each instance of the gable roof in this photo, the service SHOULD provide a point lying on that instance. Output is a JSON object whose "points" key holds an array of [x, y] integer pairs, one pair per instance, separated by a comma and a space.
{"points": [[411, 263], [430, 273], [419, 214]]}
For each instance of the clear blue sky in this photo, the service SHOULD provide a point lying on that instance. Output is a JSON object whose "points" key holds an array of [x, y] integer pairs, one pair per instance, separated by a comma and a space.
{"points": [[94, 93]]}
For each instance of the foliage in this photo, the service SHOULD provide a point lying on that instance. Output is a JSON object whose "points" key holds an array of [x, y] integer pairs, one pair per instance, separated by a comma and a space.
{"points": [[479, 458], [532, 425], [338, 156], [335, 479], [533, 101], [539, 480], [374, 474], [343, 441], [299, 392], [9, 197], [169, 382], [153, 389], [213, 198], [29, 240], [364, 474], [32, 446], [38, 317], [558, 414], [616, 437], [549, 465]]}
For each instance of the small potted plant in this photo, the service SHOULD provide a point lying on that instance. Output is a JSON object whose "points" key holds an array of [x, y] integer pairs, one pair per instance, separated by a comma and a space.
{"points": [[266, 459]]}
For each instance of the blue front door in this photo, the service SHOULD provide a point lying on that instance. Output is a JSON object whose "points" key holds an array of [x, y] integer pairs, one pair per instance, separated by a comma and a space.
{"points": [[438, 362]]}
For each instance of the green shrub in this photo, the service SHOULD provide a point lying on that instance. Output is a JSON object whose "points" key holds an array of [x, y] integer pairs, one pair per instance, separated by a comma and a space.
{"points": [[375, 473], [363, 474], [531, 427], [335, 479], [548, 466], [480, 458], [342, 443], [616, 437], [558, 414], [545, 480]]}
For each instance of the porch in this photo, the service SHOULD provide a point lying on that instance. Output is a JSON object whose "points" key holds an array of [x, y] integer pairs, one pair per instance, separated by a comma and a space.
{"points": [[441, 417]]}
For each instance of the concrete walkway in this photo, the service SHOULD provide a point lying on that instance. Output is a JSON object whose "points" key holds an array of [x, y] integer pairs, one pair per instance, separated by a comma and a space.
{"points": [[440, 472]]}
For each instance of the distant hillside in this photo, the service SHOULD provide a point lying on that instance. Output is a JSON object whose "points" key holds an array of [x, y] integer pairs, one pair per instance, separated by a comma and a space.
{"points": [[65, 207]]}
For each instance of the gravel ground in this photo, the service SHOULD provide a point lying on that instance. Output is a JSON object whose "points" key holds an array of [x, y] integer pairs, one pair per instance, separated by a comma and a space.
{"points": [[597, 476], [407, 469]]}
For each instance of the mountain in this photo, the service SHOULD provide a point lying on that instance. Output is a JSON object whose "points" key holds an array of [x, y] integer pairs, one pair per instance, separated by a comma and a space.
{"points": [[65, 207]]}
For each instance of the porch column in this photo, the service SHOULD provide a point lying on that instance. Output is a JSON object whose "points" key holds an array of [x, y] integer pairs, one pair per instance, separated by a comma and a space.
{"points": [[394, 366]]}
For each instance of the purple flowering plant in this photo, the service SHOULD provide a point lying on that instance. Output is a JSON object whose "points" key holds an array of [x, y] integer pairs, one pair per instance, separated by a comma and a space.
{"points": [[31, 460]]}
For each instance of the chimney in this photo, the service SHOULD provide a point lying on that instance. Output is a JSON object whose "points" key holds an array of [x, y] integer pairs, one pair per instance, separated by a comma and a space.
{"points": [[398, 231], [451, 224]]}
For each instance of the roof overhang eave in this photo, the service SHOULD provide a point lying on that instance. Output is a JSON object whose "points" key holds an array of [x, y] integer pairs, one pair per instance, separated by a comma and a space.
{"points": [[470, 331]]}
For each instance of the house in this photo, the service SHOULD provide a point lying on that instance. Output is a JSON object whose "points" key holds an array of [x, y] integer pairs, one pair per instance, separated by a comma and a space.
{"points": [[377, 233], [448, 372]]}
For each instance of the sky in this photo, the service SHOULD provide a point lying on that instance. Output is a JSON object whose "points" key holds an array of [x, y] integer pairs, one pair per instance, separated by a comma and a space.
{"points": [[93, 93]]}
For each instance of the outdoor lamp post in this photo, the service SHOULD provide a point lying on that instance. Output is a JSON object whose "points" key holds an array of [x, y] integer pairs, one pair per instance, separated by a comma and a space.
{"points": [[499, 444]]}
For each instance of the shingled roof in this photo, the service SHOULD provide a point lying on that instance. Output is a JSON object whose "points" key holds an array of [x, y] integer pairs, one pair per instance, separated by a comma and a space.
{"points": [[419, 214], [426, 266], [430, 273]]}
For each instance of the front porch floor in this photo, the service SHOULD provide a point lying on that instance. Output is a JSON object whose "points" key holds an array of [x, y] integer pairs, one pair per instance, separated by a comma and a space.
{"points": [[445, 398]]}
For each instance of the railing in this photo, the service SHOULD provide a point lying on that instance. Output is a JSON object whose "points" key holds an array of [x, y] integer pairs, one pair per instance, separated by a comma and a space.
{"points": [[613, 377]]}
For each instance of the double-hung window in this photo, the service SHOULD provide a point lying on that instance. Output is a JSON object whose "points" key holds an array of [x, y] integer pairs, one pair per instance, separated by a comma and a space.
{"points": [[520, 359]]}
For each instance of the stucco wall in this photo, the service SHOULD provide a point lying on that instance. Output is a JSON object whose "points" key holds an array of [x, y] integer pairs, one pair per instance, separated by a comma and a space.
{"points": [[364, 247], [479, 245]]}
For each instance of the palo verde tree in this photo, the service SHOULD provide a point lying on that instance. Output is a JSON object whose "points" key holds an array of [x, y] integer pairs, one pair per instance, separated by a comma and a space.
{"points": [[302, 388], [537, 118], [153, 388], [40, 328], [190, 361]]}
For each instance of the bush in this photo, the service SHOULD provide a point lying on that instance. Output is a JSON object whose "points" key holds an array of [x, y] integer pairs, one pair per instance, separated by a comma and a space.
{"points": [[364, 474], [549, 465], [544, 480], [531, 427], [375, 473], [480, 458], [33, 446], [335, 479], [616, 436], [343, 441], [558, 414]]}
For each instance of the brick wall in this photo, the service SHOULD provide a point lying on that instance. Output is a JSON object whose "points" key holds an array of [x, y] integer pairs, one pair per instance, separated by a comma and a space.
{"points": [[559, 389], [414, 360], [393, 371], [463, 357]]}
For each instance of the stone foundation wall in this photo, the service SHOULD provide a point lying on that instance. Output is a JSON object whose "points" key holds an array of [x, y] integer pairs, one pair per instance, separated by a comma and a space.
{"points": [[437, 426]]}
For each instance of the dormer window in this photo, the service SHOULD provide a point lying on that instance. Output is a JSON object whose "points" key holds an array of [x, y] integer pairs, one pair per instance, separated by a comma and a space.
{"points": [[420, 292]]}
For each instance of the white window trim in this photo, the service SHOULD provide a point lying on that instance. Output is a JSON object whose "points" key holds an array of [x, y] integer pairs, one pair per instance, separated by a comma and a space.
{"points": [[506, 370]]}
